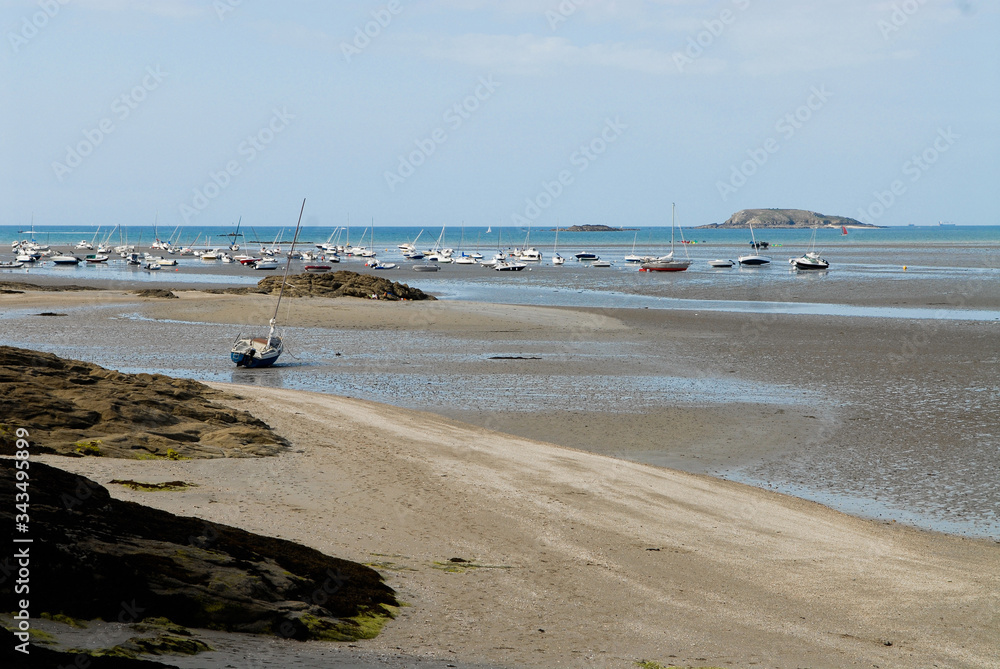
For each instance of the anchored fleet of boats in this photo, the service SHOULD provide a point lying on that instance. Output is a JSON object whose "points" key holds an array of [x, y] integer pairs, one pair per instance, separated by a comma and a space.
{"points": [[28, 253]]}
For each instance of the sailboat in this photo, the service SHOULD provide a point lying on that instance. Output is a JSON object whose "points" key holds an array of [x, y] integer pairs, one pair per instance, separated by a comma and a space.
{"points": [[463, 258], [235, 246], [754, 259], [253, 352], [632, 257], [556, 258], [843, 230], [667, 263], [811, 259]]}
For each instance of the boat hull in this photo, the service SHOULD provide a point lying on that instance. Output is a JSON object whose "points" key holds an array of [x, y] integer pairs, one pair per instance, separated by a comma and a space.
{"points": [[675, 266], [243, 360], [254, 353], [811, 265]]}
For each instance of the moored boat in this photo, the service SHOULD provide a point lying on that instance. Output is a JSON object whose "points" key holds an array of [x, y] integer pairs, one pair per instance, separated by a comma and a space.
{"points": [[509, 266], [667, 263], [754, 259], [255, 352], [810, 260], [65, 259]]}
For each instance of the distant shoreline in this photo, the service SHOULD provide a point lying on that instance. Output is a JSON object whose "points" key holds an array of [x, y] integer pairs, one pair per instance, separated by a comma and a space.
{"points": [[593, 228]]}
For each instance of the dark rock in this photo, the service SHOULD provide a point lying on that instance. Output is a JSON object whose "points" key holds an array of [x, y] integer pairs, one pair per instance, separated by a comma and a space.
{"points": [[338, 284], [46, 658], [156, 292], [76, 408], [101, 558]]}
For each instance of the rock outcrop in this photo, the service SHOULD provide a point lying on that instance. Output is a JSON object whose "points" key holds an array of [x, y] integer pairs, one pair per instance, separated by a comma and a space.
{"points": [[337, 284], [80, 409], [786, 218], [101, 558]]}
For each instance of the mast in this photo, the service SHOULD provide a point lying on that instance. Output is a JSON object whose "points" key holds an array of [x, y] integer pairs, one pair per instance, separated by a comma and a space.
{"points": [[288, 264], [673, 211]]}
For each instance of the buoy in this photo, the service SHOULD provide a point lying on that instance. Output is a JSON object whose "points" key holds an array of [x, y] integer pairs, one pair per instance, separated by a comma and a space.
{"points": [[904, 268]]}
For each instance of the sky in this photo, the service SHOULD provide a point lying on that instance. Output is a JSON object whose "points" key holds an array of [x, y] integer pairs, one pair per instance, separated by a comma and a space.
{"points": [[513, 112]]}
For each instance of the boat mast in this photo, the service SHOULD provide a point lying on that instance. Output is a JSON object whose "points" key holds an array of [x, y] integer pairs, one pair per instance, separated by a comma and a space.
{"points": [[288, 264], [673, 210]]}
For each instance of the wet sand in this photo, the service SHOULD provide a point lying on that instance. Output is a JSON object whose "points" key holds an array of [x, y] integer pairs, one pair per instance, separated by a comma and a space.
{"points": [[894, 416], [886, 418]]}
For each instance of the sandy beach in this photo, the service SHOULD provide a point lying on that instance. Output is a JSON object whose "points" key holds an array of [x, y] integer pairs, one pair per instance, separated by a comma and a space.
{"points": [[490, 442], [576, 559]]}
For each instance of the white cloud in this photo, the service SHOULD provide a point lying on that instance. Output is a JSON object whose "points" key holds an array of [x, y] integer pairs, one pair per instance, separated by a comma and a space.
{"points": [[758, 38]]}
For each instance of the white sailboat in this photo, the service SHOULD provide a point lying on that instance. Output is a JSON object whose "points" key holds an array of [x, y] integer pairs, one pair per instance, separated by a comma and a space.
{"points": [[632, 257], [667, 263], [253, 352], [556, 258], [810, 259], [754, 259]]}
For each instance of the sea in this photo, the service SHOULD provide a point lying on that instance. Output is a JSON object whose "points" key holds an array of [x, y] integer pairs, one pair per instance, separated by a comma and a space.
{"points": [[651, 240]]}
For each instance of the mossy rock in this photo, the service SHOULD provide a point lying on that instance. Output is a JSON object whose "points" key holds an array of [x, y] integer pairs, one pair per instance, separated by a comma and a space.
{"points": [[65, 620], [365, 625], [90, 447]]}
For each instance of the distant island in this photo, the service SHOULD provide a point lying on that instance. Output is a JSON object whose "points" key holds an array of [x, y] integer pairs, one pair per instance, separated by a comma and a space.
{"points": [[785, 218], [594, 228]]}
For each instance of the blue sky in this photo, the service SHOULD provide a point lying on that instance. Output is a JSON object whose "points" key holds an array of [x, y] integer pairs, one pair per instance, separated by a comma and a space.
{"points": [[435, 112]]}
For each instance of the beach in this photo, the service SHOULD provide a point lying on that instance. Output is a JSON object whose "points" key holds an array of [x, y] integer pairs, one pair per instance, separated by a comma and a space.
{"points": [[578, 457], [575, 559]]}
